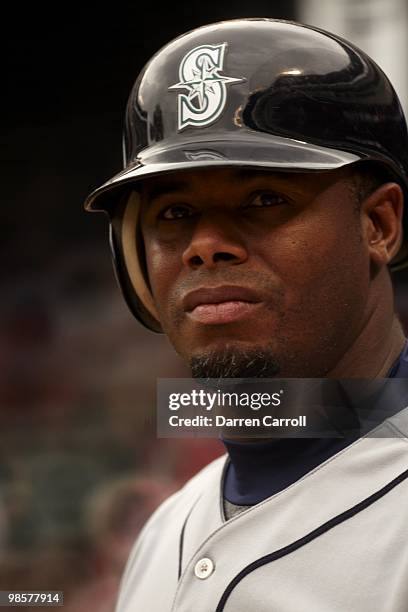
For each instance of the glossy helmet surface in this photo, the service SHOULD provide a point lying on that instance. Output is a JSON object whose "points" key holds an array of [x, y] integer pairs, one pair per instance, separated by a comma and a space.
{"points": [[249, 93]]}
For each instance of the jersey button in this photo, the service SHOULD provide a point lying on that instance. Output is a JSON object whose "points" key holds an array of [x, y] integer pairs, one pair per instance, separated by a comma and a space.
{"points": [[204, 568]]}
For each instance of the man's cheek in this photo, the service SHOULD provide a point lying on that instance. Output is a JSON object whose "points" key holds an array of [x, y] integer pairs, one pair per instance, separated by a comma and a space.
{"points": [[160, 266], [162, 281], [305, 255]]}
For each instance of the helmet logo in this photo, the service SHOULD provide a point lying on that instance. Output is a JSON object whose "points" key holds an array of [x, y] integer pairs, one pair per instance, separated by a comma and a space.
{"points": [[199, 73]]}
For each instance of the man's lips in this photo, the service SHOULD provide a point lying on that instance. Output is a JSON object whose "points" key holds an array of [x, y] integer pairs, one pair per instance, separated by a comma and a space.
{"points": [[224, 304], [217, 295]]}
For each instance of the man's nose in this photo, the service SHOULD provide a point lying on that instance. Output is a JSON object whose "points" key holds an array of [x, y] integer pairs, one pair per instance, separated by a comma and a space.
{"points": [[215, 241]]}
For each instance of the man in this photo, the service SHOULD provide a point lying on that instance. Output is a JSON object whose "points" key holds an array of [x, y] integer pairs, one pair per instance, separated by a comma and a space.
{"points": [[255, 223]]}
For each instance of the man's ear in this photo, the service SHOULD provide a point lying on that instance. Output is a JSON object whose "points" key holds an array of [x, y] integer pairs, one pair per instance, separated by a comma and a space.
{"points": [[382, 222]]}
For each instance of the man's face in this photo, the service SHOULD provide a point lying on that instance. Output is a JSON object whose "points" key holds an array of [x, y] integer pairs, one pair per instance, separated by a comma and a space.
{"points": [[248, 263]]}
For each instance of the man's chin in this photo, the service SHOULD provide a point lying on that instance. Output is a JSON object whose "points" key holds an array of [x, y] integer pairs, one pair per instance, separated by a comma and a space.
{"points": [[235, 362]]}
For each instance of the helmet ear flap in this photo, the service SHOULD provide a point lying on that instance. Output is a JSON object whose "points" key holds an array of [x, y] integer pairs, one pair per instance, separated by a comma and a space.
{"points": [[128, 258]]}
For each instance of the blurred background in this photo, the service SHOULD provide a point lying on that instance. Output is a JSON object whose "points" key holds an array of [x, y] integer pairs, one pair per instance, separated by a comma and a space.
{"points": [[80, 466]]}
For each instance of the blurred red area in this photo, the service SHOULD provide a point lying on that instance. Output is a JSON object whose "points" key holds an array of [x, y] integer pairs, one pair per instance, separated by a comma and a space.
{"points": [[81, 468]]}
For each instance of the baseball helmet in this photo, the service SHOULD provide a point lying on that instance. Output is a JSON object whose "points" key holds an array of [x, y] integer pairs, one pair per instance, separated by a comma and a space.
{"points": [[247, 93]]}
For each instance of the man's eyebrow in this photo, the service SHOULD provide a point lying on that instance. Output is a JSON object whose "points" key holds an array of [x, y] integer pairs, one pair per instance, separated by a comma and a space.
{"points": [[241, 175]]}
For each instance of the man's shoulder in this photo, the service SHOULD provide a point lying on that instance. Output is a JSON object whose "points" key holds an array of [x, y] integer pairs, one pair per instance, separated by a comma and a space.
{"points": [[172, 512], [399, 422], [207, 477], [209, 473]]}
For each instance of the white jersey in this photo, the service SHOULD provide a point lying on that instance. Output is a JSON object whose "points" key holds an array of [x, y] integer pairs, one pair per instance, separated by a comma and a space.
{"points": [[334, 541]]}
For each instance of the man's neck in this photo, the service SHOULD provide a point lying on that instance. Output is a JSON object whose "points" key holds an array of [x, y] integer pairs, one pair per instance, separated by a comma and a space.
{"points": [[373, 355]]}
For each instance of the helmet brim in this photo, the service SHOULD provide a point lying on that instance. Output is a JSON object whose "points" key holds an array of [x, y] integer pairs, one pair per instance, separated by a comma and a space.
{"points": [[263, 151]]}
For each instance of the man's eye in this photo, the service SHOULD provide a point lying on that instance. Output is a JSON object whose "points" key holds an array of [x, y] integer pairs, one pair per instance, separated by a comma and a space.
{"points": [[176, 211], [265, 199]]}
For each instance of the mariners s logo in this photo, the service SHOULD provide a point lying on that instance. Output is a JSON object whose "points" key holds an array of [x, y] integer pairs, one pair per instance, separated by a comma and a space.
{"points": [[200, 74]]}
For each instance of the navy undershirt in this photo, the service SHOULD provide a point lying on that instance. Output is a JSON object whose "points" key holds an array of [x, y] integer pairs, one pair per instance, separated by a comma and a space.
{"points": [[258, 470]]}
